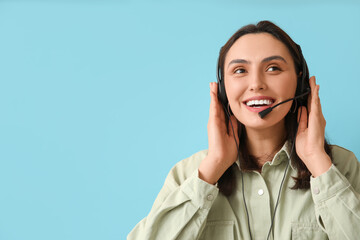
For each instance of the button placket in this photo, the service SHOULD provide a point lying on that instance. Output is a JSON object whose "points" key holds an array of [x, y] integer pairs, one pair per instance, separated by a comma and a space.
{"points": [[260, 197]]}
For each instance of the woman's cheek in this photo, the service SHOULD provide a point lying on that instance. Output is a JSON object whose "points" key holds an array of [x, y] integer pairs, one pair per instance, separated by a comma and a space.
{"points": [[235, 89]]}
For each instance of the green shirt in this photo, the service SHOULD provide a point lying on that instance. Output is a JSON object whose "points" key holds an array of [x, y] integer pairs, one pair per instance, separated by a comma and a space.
{"points": [[190, 208]]}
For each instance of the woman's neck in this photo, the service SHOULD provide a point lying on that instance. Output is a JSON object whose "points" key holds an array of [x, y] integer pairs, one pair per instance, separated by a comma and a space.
{"points": [[263, 144]]}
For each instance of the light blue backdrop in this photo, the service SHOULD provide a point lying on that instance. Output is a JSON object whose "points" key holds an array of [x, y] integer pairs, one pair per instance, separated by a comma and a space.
{"points": [[99, 99]]}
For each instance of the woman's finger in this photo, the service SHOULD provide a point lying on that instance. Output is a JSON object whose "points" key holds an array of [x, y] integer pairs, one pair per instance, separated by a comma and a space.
{"points": [[316, 98], [213, 100], [303, 119], [314, 92], [215, 105], [317, 107], [314, 103], [311, 95]]}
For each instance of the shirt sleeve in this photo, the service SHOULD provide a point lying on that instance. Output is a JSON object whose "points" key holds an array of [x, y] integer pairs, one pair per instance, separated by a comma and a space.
{"points": [[179, 211], [337, 199]]}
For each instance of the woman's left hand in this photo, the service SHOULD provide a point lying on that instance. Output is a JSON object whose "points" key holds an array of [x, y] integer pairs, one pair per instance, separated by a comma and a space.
{"points": [[310, 137]]}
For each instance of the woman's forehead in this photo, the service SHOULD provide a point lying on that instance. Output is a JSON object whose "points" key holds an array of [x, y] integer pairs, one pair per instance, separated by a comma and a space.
{"points": [[257, 46]]}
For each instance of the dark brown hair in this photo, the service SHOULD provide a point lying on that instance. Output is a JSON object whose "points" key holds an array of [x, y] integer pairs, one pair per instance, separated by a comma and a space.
{"points": [[227, 182]]}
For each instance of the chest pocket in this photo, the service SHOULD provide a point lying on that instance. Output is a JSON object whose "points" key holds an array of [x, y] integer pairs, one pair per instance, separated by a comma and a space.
{"points": [[306, 230], [218, 230]]}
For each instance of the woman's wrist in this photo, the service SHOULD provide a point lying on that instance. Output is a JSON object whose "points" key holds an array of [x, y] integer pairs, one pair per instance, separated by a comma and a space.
{"points": [[319, 164], [210, 170]]}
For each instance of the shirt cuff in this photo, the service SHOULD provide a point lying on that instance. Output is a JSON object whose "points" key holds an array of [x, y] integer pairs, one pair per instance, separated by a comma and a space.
{"points": [[327, 184], [202, 194]]}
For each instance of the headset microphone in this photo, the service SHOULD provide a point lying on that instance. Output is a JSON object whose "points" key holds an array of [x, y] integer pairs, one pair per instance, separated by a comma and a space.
{"points": [[265, 112]]}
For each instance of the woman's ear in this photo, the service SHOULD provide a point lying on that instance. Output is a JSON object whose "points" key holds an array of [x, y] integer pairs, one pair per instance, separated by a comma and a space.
{"points": [[300, 73]]}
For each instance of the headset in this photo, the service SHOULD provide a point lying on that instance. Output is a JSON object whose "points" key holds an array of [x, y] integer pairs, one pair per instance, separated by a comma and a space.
{"points": [[302, 90]]}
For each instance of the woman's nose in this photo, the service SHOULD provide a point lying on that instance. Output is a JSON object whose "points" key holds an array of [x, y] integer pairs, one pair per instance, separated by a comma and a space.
{"points": [[257, 83]]}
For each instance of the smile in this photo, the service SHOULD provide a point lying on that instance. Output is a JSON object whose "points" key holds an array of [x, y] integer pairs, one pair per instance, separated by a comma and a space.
{"points": [[259, 103]]}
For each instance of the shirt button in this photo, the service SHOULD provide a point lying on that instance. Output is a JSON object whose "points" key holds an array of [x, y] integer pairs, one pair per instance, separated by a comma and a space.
{"points": [[316, 190], [210, 197], [260, 192]]}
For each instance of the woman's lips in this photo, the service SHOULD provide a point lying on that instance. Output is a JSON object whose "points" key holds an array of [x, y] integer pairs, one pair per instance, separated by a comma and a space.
{"points": [[258, 103], [259, 98], [257, 109]]}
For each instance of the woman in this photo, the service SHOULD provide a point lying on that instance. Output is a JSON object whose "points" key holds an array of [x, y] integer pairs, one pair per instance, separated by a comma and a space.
{"points": [[255, 181]]}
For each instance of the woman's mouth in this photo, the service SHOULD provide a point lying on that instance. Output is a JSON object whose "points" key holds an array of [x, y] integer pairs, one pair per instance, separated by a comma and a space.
{"points": [[258, 104]]}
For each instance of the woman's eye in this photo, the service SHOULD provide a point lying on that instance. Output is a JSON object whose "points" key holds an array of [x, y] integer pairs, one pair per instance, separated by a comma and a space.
{"points": [[239, 70], [273, 68]]}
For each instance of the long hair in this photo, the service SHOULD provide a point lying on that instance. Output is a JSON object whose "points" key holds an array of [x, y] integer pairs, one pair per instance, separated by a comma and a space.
{"points": [[227, 182]]}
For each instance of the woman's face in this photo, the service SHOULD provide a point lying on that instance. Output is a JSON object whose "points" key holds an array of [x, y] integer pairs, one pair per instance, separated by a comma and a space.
{"points": [[259, 72]]}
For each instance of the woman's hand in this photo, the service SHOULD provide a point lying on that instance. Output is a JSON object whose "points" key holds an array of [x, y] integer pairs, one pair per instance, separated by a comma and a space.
{"points": [[310, 137], [222, 152]]}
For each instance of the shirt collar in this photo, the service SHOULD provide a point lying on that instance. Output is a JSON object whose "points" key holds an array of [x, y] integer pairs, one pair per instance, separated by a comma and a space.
{"points": [[282, 155]]}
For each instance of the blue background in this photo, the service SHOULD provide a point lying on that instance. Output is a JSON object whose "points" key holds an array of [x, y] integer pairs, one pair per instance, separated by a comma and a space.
{"points": [[99, 99]]}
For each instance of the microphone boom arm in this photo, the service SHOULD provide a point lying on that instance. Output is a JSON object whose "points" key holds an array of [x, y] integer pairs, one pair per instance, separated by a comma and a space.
{"points": [[265, 112]]}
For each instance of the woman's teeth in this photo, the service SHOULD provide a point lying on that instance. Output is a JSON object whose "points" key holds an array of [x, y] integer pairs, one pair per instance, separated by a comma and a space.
{"points": [[258, 103]]}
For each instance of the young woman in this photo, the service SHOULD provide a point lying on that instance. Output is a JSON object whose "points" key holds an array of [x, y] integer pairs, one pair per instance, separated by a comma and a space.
{"points": [[263, 177]]}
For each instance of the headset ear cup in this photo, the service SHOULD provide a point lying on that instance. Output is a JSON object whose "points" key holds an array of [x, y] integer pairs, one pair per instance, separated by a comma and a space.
{"points": [[303, 84], [299, 90], [222, 94], [303, 87]]}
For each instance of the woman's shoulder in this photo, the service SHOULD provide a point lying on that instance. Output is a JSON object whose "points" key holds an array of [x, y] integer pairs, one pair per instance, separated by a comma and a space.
{"points": [[340, 154], [344, 159], [185, 168]]}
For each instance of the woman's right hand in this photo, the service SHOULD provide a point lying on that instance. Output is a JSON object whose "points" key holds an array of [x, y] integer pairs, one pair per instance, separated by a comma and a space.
{"points": [[222, 152]]}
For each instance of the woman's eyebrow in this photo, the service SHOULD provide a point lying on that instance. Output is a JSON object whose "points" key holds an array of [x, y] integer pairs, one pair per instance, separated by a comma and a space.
{"points": [[275, 57]]}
